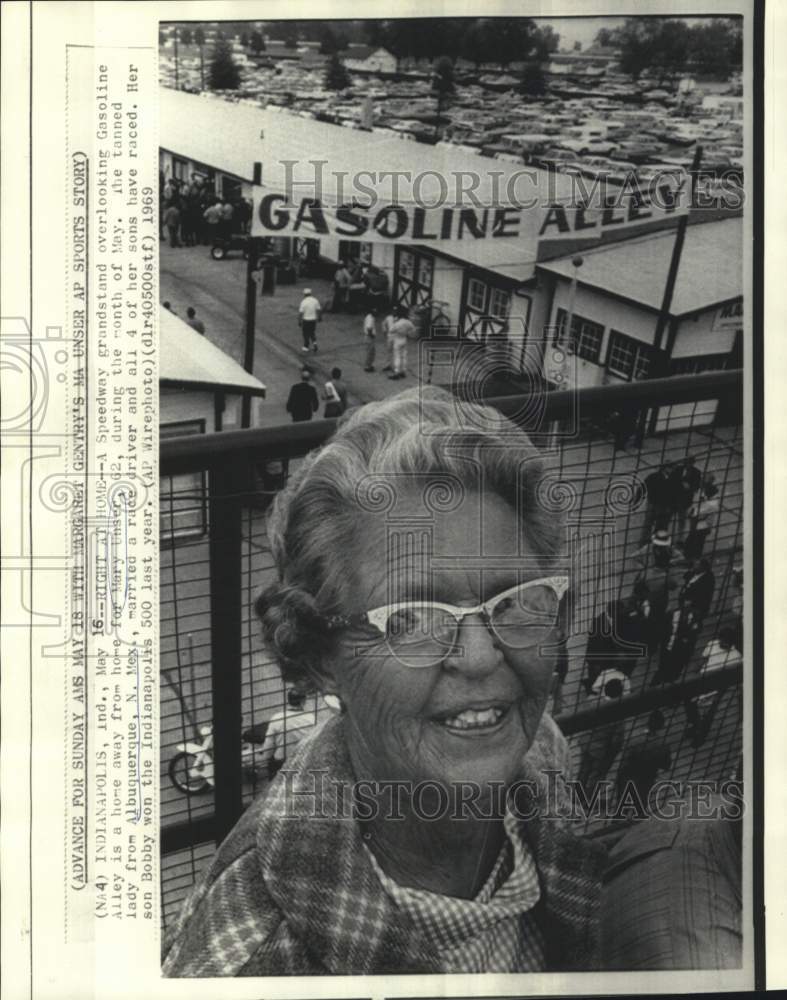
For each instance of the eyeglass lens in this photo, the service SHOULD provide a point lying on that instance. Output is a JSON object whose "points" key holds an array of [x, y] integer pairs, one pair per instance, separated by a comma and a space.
{"points": [[422, 634]]}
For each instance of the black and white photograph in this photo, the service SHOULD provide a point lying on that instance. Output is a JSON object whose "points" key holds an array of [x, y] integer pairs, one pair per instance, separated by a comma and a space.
{"points": [[454, 639], [392, 599]]}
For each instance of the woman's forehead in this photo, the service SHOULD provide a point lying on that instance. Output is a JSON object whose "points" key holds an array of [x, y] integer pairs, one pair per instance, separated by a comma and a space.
{"points": [[476, 547]]}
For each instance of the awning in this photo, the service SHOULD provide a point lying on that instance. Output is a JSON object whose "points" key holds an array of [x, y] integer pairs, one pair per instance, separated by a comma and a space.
{"points": [[187, 359]]}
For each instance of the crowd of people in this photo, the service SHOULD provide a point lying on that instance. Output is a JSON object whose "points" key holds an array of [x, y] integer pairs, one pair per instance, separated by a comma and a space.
{"points": [[652, 636], [192, 214]]}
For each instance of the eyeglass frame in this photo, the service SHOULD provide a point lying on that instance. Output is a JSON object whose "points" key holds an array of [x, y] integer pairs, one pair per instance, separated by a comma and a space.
{"points": [[335, 623]]}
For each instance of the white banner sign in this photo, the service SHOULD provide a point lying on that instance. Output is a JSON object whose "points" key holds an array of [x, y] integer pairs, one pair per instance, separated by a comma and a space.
{"points": [[728, 317], [386, 222]]}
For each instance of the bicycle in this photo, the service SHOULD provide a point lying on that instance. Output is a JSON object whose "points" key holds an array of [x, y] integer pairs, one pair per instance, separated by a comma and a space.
{"points": [[191, 770], [431, 316]]}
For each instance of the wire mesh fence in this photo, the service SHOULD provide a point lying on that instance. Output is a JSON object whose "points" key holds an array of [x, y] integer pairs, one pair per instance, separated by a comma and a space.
{"points": [[224, 707]]}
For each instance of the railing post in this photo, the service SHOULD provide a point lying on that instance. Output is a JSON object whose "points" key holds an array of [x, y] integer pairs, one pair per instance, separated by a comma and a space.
{"points": [[225, 542]]}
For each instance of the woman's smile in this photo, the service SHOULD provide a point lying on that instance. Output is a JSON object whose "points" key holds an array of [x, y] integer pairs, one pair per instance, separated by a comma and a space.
{"points": [[474, 720]]}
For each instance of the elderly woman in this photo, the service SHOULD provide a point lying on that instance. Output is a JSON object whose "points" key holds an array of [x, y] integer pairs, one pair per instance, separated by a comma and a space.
{"points": [[422, 829]]}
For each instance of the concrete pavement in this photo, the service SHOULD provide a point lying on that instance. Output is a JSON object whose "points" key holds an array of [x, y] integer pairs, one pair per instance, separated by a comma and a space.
{"points": [[216, 289]]}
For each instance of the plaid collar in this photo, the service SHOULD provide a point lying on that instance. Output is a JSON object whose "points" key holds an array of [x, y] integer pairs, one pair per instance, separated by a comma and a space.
{"points": [[510, 890], [316, 869]]}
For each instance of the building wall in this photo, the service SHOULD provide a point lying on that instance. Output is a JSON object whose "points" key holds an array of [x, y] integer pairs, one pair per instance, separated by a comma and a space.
{"points": [[697, 336], [178, 405]]}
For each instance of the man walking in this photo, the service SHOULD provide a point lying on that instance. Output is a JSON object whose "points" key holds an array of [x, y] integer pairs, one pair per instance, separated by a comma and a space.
{"points": [[341, 288], [387, 323], [309, 315], [302, 402], [369, 339], [335, 395], [212, 219], [193, 322], [172, 222], [402, 330]]}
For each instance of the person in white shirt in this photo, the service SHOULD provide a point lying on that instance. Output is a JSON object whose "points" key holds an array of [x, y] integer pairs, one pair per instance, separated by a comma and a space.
{"points": [[309, 315], [402, 330], [386, 325], [370, 339], [700, 711]]}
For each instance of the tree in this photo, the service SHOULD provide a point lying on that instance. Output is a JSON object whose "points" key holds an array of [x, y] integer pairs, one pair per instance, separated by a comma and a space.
{"points": [[336, 75], [443, 76], [670, 47], [606, 38], [185, 36], [443, 86], [638, 40], [199, 38], [224, 74], [533, 82], [716, 47], [257, 42], [328, 42], [478, 43], [545, 42], [671, 52]]}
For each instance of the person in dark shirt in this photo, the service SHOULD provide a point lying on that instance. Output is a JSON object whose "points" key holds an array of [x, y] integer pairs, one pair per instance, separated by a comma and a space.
{"points": [[681, 632], [607, 649], [302, 402], [643, 759], [659, 509], [685, 480], [641, 625], [699, 584], [193, 322]]}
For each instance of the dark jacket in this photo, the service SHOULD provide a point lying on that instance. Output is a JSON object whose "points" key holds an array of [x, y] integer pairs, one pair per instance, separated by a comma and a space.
{"points": [[659, 489], [302, 402], [699, 591], [292, 891], [684, 483]]}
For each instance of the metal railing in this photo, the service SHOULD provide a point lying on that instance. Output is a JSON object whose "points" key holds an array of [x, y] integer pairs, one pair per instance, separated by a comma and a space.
{"points": [[215, 670]]}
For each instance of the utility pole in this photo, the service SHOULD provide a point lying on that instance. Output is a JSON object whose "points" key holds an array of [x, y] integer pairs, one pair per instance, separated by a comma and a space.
{"points": [[660, 369], [175, 39], [677, 250], [251, 310]]}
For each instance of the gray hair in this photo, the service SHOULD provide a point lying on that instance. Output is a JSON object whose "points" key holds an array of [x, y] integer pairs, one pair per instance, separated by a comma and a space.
{"points": [[313, 524]]}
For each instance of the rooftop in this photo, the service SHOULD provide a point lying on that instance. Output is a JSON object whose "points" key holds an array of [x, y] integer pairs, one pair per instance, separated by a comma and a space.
{"points": [[231, 137], [710, 267], [186, 358]]}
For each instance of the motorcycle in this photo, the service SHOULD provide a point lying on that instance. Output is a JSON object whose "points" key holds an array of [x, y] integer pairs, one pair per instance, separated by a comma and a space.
{"points": [[191, 769]]}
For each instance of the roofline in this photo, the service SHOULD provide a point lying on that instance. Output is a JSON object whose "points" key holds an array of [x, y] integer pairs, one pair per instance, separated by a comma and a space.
{"points": [[600, 288], [637, 302], [183, 383], [221, 170]]}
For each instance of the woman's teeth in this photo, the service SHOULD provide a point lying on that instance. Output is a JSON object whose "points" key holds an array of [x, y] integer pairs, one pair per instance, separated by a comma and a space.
{"points": [[472, 719]]}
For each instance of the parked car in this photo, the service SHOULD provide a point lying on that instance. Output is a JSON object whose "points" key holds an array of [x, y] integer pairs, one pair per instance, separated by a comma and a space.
{"points": [[636, 152], [553, 158]]}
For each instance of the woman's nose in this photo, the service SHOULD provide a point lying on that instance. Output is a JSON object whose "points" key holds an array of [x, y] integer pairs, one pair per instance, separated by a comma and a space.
{"points": [[475, 651]]}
